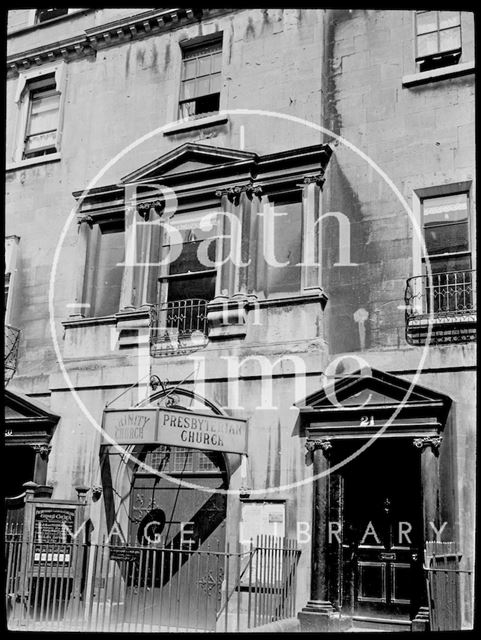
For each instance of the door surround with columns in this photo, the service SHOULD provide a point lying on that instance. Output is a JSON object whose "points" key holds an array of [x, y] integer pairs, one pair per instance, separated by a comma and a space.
{"points": [[356, 408], [28, 423]]}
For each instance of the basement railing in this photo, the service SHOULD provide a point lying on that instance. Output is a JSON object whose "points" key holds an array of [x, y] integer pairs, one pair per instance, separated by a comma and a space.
{"points": [[446, 302]]}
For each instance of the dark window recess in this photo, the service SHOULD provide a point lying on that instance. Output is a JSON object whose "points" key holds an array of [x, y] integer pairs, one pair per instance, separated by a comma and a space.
{"points": [[190, 284], [438, 39], [201, 80], [446, 234], [287, 249], [43, 15], [106, 273]]}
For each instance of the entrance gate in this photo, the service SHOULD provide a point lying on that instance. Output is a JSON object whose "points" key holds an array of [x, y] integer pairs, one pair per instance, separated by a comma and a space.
{"points": [[186, 519]]}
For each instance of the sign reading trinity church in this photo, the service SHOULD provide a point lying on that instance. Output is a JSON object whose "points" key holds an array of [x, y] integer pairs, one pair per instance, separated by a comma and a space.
{"points": [[204, 431]]}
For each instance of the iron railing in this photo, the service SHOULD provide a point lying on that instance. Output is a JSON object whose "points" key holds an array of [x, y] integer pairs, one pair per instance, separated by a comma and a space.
{"points": [[179, 326], [446, 302], [104, 587], [448, 585], [12, 339]]}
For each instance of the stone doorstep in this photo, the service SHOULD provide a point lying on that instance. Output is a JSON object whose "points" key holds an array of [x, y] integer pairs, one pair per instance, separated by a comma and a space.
{"points": [[365, 623]]}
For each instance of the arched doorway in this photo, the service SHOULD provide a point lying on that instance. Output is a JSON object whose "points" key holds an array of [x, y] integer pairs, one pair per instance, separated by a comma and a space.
{"points": [[178, 514]]}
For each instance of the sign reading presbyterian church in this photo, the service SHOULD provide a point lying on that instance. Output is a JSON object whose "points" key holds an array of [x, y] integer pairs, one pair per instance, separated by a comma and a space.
{"points": [[178, 428]]}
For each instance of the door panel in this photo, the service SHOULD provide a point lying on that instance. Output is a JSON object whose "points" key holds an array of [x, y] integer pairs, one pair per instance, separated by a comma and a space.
{"points": [[381, 520]]}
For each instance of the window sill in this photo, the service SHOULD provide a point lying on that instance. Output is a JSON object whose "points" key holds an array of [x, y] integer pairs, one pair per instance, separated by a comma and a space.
{"points": [[201, 123], [29, 162], [425, 77]]}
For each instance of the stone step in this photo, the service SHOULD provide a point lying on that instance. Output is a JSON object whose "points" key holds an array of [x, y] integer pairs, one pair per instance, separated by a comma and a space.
{"points": [[361, 623]]}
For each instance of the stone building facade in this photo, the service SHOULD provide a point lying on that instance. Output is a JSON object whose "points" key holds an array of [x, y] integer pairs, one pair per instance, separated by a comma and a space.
{"points": [[357, 128]]}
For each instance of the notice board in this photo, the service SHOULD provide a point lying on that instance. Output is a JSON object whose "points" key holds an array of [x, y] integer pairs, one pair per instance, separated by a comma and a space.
{"points": [[262, 518]]}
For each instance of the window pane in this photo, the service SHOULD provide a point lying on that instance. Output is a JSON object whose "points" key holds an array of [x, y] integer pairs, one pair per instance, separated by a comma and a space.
{"points": [[40, 141], [216, 62], [426, 21], [451, 263], [190, 68], [446, 238], [428, 44], [188, 90], [215, 83], [108, 276], [450, 39], [204, 66], [449, 19], [200, 287], [287, 243], [202, 88], [189, 261], [446, 208], [44, 115]]}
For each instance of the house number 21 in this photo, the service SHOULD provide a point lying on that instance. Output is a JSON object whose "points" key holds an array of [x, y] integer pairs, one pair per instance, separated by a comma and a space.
{"points": [[366, 421]]}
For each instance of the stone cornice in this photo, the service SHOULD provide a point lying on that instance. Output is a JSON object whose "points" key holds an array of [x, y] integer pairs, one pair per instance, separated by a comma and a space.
{"points": [[140, 25], [71, 48]]}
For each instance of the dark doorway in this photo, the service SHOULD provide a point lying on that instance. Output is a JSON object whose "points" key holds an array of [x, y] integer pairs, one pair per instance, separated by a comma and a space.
{"points": [[166, 515], [379, 500], [20, 468]]}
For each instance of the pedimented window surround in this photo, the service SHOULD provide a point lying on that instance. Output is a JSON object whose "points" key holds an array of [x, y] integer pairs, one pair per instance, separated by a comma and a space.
{"points": [[203, 178]]}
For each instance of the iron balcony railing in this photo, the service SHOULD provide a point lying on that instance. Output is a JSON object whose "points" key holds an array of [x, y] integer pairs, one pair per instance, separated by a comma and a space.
{"points": [[181, 324], [12, 338], [444, 301]]}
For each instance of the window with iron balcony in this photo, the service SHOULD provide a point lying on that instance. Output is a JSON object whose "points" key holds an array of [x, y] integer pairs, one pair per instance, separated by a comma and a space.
{"points": [[443, 297]]}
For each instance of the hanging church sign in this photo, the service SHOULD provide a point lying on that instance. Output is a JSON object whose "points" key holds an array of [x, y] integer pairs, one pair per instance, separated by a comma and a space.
{"points": [[205, 431]]}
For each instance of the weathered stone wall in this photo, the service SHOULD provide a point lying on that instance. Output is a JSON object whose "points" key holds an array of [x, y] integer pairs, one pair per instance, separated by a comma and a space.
{"points": [[340, 69]]}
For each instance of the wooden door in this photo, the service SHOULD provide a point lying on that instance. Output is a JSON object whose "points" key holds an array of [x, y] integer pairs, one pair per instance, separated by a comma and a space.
{"points": [[382, 531]]}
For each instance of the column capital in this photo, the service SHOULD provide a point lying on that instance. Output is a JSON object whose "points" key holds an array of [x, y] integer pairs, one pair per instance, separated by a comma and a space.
{"points": [[85, 218], [234, 192], [428, 441], [318, 179], [42, 449], [325, 444], [145, 209]]}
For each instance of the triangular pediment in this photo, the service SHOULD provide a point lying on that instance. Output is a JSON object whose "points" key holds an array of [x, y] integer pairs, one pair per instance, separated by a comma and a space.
{"points": [[187, 158], [20, 407], [376, 389]]}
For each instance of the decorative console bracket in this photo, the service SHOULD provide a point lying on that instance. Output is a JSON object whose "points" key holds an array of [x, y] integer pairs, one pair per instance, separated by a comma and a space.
{"points": [[227, 317]]}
